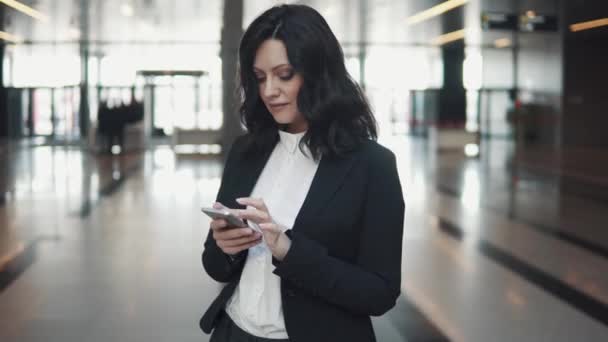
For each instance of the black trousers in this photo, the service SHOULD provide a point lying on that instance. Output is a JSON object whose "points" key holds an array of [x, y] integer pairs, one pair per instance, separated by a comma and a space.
{"points": [[227, 331]]}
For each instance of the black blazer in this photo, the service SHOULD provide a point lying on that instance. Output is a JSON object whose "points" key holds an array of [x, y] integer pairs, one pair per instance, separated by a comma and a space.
{"points": [[344, 264]]}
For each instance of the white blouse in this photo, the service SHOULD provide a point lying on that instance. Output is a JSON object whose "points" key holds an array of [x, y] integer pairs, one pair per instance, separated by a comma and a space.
{"points": [[256, 305]]}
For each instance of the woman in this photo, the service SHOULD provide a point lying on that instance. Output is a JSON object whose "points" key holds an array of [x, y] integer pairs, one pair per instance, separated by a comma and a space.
{"points": [[322, 197]]}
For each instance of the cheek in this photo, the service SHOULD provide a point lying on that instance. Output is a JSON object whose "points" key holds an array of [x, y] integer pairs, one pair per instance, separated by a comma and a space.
{"points": [[294, 90]]}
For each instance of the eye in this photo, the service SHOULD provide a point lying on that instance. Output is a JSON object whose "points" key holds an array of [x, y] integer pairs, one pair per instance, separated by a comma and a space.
{"points": [[286, 75]]}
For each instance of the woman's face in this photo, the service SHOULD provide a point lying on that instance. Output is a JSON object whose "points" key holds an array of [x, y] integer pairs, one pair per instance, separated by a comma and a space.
{"points": [[279, 85]]}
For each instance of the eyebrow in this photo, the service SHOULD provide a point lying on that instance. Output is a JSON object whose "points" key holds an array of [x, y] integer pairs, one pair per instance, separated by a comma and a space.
{"points": [[274, 68]]}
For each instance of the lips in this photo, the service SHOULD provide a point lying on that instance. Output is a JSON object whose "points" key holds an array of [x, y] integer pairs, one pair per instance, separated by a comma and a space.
{"points": [[277, 105]]}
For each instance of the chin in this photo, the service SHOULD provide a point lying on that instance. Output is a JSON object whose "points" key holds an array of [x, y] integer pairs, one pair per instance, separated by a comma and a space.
{"points": [[282, 120]]}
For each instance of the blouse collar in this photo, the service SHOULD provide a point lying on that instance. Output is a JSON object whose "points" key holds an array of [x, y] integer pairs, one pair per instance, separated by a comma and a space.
{"points": [[290, 141]]}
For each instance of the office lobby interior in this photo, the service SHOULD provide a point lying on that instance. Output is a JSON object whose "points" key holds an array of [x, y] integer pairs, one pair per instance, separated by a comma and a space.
{"points": [[116, 117]]}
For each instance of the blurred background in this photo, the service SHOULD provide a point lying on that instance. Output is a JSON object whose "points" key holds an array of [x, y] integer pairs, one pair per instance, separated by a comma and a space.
{"points": [[115, 116]]}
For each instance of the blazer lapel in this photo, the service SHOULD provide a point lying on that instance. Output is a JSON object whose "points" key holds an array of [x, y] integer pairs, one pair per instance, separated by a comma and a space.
{"points": [[249, 172], [329, 177]]}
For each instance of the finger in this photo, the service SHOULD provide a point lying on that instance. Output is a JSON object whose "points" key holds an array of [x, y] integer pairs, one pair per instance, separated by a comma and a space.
{"points": [[272, 233], [270, 227], [238, 242], [254, 215], [236, 250], [257, 203], [219, 205], [230, 234], [218, 224]]}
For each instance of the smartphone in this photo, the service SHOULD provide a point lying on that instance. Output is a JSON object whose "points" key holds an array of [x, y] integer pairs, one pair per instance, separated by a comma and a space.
{"points": [[217, 214]]}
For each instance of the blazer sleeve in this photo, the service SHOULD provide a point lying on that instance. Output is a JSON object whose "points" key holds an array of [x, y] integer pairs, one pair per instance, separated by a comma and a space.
{"points": [[218, 265], [371, 286]]}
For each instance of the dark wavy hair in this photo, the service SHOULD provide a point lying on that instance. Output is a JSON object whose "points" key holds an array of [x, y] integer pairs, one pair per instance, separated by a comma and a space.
{"points": [[338, 114]]}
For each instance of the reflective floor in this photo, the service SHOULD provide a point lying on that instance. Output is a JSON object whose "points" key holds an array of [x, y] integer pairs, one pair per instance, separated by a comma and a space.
{"points": [[102, 248]]}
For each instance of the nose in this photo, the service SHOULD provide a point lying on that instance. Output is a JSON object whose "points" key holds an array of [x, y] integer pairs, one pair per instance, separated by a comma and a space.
{"points": [[270, 88]]}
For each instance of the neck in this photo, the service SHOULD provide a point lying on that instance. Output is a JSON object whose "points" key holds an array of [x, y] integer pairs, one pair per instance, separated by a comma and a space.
{"points": [[295, 128]]}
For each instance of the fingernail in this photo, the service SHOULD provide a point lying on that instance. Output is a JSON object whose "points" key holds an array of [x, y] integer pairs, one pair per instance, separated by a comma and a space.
{"points": [[239, 200]]}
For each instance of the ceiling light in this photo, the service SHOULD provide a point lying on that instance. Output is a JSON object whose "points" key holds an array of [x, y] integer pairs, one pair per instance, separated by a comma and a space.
{"points": [[10, 38], [502, 42], [588, 24], [449, 37], [435, 11], [25, 9], [126, 10]]}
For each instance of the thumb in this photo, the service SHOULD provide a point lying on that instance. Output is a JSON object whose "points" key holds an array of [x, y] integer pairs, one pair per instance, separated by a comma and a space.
{"points": [[267, 228]]}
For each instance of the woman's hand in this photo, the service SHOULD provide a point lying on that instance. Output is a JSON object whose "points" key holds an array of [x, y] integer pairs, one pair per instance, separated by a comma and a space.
{"points": [[233, 240], [277, 241]]}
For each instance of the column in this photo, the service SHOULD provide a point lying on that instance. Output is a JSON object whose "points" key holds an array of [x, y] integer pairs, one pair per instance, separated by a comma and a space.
{"points": [[452, 97], [3, 92], [232, 31], [83, 116]]}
